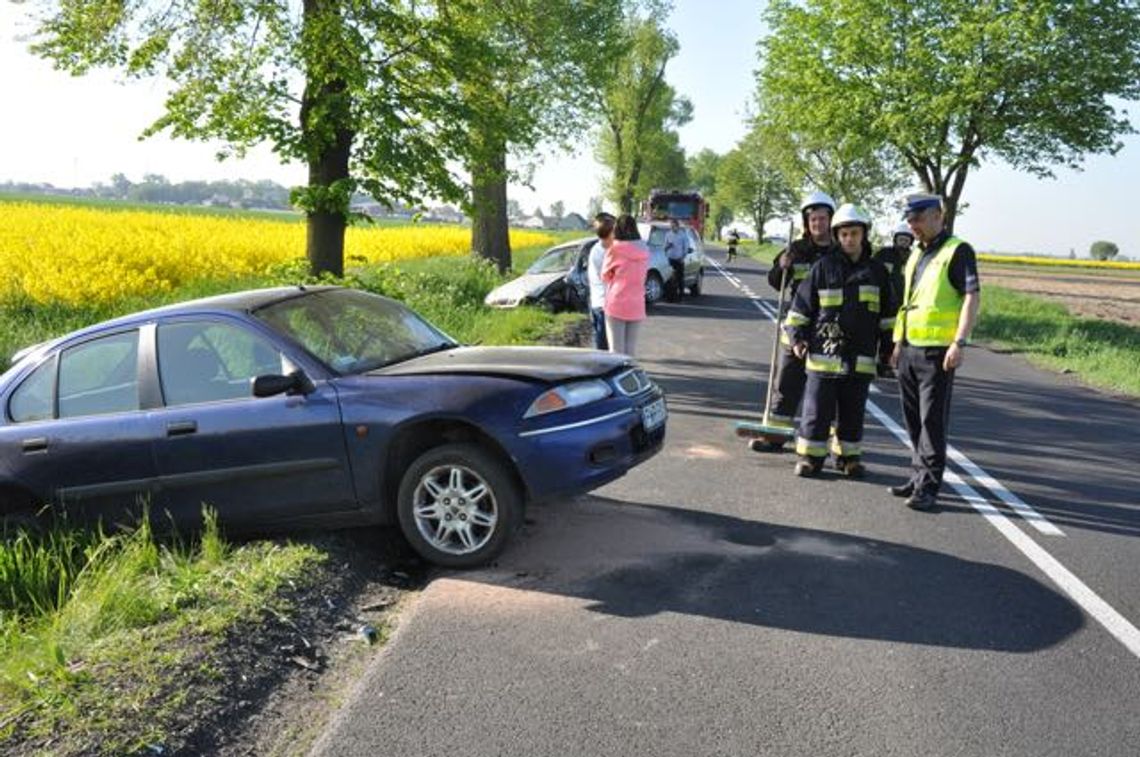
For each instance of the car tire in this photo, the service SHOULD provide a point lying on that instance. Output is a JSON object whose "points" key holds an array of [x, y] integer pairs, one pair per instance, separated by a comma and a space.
{"points": [[695, 289], [444, 526], [654, 288]]}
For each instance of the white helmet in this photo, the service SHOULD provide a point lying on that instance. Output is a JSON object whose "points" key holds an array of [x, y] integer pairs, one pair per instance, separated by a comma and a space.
{"points": [[849, 214], [817, 198], [903, 228]]}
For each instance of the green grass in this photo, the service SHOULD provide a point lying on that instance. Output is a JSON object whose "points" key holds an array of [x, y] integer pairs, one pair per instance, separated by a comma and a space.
{"points": [[1102, 353], [103, 637], [765, 252]]}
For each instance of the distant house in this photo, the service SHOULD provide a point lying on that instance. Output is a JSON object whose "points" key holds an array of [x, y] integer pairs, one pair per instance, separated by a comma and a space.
{"points": [[573, 222], [532, 222], [445, 214]]}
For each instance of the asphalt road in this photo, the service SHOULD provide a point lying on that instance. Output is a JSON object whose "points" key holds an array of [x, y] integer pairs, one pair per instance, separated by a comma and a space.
{"points": [[710, 603]]}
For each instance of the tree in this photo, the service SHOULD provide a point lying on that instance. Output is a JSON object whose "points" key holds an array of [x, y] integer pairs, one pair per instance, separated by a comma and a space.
{"points": [[594, 207], [557, 210], [640, 111], [944, 82], [1103, 250], [526, 91], [514, 210], [751, 184], [703, 168], [363, 93]]}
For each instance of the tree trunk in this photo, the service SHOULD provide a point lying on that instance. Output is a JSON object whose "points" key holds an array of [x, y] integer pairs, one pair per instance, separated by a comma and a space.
{"points": [[490, 232], [328, 161]]}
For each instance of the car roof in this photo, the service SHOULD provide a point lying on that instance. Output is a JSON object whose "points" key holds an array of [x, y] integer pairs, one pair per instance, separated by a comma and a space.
{"points": [[238, 302]]}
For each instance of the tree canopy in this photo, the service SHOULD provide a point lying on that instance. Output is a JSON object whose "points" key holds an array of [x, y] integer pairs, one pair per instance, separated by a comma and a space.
{"points": [[640, 112], [944, 82]]}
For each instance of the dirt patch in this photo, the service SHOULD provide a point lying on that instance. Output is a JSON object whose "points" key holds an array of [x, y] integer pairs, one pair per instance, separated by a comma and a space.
{"points": [[1109, 297]]}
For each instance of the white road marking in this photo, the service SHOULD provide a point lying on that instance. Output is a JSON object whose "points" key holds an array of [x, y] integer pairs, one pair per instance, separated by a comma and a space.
{"points": [[1091, 602]]}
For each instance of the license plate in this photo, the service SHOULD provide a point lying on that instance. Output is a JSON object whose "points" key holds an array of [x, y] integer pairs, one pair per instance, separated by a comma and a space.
{"points": [[653, 414]]}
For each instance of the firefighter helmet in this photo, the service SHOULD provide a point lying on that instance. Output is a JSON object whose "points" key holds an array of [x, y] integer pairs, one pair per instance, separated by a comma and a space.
{"points": [[817, 199], [849, 214], [903, 228]]}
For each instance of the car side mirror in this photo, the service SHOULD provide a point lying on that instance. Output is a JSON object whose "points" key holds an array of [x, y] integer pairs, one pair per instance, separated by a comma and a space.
{"points": [[272, 384]]}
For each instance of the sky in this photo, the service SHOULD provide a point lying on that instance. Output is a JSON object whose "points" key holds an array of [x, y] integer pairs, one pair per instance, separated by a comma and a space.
{"points": [[76, 131]]}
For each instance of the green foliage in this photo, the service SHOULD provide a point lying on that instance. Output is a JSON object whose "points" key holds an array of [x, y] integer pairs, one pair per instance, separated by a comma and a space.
{"points": [[1103, 353], [1103, 250], [752, 185], [937, 83], [638, 141]]}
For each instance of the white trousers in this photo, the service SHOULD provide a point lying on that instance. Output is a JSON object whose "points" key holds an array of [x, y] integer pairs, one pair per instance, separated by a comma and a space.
{"points": [[622, 335]]}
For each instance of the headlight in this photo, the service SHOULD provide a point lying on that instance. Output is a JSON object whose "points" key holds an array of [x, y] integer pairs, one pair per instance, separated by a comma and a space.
{"points": [[569, 395]]}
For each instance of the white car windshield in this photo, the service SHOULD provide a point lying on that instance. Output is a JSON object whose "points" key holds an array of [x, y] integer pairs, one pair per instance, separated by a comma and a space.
{"points": [[558, 260]]}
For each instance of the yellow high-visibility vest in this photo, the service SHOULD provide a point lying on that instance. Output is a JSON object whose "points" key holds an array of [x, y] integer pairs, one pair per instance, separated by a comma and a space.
{"points": [[932, 304]]}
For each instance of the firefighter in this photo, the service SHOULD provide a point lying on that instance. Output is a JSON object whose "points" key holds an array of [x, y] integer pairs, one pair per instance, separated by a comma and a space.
{"points": [[790, 268], [894, 257], [839, 324], [941, 296]]}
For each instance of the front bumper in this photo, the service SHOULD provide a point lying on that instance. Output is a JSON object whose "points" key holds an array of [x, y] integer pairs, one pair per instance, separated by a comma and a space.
{"points": [[583, 453]]}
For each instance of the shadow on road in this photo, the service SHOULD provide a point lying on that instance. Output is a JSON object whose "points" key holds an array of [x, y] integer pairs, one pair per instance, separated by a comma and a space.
{"points": [[633, 560]]}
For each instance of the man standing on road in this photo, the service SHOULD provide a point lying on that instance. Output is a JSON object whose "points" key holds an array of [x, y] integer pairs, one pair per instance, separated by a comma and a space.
{"points": [[941, 296], [604, 228], [788, 269], [894, 257], [840, 323], [677, 247]]}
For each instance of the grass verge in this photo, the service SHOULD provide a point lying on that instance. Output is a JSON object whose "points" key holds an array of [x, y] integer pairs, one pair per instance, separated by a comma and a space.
{"points": [[107, 640], [1103, 353]]}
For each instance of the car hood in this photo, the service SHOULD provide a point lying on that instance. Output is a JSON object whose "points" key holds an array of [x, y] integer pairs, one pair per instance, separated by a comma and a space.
{"points": [[527, 285], [541, 363]]}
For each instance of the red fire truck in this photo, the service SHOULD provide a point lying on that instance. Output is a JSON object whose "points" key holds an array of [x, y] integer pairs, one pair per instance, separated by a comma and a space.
{"points": [[687, 207]]}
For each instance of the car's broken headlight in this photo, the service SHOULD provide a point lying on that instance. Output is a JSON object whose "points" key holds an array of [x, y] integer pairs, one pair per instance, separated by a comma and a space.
{"points": [[570, 395]]}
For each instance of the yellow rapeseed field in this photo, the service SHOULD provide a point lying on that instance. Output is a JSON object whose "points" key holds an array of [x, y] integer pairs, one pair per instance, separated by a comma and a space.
{"points": [[1119, 265], [73, 255]]}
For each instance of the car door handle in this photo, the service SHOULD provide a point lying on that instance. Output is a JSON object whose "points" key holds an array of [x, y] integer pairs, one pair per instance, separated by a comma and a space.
{"points": [[181, 428], [38, 444]]}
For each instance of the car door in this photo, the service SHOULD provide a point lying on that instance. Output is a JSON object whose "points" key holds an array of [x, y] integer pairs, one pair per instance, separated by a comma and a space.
{"points": [[695, 259], [254, 460], [577, 280], [75, 435]]}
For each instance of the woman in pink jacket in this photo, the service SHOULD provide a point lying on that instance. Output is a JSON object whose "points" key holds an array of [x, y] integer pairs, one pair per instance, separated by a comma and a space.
{"points": [[623, 271]]}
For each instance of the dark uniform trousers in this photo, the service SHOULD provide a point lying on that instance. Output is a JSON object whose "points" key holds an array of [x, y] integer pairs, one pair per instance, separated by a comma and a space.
{"points": [[925, 388], [827, 395], [789, 389], [677, 283]]}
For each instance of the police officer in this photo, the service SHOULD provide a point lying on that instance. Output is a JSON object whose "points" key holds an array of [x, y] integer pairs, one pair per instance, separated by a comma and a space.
{"points": [[839, 323], [941, 296], [789, 269], [894, 257]]}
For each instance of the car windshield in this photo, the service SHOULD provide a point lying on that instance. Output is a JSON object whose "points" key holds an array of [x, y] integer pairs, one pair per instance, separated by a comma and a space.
{"points": [[558, 260], [656, 237], [352, 331]]}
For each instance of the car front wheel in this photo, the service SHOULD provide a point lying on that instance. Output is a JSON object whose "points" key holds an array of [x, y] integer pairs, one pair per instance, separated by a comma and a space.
{"points": [[458, 505], [654, 288]]}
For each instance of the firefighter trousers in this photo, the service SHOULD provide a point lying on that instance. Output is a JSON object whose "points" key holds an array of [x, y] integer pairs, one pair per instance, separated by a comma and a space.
{"points": [[788, 389], [925, 388], [825, 397]]}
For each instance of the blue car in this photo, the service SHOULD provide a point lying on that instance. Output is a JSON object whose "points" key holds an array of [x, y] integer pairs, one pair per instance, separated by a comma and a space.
{"points": [[315, 406]]}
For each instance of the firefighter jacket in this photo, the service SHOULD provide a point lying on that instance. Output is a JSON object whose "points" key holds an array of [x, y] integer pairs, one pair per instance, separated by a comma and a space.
{"points": [[845, 312], [804, 253], [894, 260], [931, 306]]}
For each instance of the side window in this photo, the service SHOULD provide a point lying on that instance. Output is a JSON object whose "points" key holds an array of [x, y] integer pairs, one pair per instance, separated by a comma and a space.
{"points": [[206, 361], [100, 376], [694, 240], [33, 400]]}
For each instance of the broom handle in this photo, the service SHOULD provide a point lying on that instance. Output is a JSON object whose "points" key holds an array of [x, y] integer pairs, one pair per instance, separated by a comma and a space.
{"points": [[776, 340]]}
